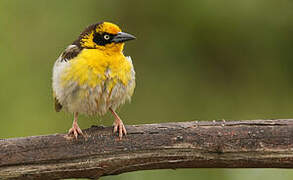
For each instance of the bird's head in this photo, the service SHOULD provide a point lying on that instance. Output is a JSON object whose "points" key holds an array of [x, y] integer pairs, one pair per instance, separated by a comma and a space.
{"points": [[104, 36]]}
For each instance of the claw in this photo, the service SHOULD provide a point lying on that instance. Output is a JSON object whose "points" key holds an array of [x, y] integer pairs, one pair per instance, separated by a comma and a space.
{"points": [[118, 125], [75, 130]]}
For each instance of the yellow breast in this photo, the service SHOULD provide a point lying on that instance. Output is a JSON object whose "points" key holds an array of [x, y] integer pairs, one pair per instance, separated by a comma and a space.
{"points": [[93, 66]]}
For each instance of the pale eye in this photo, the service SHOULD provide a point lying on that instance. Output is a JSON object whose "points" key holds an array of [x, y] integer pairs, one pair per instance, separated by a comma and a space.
{"points": [[106, 37]]}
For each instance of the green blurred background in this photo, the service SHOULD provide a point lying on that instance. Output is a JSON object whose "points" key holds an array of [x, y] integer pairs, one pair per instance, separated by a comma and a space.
{"points": [[195, 60]]}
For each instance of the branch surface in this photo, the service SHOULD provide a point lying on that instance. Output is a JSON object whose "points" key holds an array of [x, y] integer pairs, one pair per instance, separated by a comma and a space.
{"points": [[204, 144]]}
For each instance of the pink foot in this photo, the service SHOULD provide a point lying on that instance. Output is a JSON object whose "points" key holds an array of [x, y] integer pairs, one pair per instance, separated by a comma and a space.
{"points": [[75, 130], [118, 125]]}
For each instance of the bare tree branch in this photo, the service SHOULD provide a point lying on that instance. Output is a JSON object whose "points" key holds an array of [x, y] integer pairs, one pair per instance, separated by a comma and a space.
{"points": [[217, 144]]}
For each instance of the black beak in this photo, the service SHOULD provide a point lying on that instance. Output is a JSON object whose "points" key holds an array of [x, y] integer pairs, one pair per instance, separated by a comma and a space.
{"points": [[122, 37]]}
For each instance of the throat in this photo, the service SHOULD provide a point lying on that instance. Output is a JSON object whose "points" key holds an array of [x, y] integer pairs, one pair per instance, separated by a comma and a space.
{"points": [[113, 48]]}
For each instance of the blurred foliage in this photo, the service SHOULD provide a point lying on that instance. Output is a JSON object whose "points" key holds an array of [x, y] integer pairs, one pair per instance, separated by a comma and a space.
{"points": [[195, 60]]}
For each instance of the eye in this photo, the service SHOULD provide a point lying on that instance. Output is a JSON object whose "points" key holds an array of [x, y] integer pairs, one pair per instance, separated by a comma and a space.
{"points": [[106, 37]]}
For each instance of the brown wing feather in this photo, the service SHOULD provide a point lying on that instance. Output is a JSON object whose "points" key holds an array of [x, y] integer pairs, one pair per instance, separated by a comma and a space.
{"points": [[58, 106], [70, 52]]}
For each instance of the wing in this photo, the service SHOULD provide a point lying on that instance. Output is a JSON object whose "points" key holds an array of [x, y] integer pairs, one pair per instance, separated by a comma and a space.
{"points": [[70, 52], [57, 105]]}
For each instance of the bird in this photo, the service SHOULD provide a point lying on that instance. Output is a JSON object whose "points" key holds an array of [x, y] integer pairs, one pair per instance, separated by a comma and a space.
{"points": [[92, 76]]}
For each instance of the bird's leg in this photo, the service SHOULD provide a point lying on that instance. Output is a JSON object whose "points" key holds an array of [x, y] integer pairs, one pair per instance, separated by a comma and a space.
{"points": [[75, 128], [118, 124]]}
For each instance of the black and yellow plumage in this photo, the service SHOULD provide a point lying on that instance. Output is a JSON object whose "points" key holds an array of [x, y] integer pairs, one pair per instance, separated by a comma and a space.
{"points": [[92, 76]]}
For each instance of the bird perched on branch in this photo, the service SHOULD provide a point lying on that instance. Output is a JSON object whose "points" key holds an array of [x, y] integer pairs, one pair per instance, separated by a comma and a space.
{"points": [[92, 76]]}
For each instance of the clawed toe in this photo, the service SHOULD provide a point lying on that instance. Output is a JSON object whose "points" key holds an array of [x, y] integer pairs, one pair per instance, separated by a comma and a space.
{"points": [[119, 126], [75, 131]]}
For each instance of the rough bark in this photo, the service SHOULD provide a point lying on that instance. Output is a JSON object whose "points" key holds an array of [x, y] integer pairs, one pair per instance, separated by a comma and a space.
{"points": [[216, 144]]}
